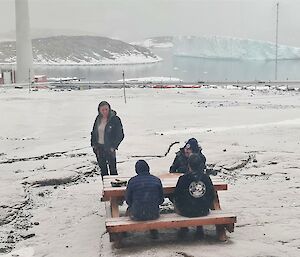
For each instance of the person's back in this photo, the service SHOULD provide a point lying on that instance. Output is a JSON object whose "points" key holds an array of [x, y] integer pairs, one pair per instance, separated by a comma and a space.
{"points": [[194, 191], [144, 194]]}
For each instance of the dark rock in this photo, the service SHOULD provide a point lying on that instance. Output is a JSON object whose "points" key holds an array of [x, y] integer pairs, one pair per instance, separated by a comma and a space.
{"points": [[273, 163], [27, 236], [10, 239]]}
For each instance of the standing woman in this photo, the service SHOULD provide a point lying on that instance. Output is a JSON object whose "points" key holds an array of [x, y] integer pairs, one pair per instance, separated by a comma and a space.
{"points": [[106, 136]]}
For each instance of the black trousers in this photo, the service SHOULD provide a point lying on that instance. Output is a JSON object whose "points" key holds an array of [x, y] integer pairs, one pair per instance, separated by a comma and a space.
{"points": [[106, 157]]}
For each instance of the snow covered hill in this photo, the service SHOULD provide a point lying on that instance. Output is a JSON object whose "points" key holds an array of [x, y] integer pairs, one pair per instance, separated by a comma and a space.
{"points": [[80, 50], [231, 48], [156, 42]]}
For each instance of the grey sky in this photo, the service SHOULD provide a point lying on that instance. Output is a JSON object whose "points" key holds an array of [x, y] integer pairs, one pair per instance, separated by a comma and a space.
{"points": [[131, 20]]}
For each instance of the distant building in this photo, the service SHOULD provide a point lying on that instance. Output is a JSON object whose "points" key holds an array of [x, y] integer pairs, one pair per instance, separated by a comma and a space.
{"points": [[40, 78], [7, 76]]}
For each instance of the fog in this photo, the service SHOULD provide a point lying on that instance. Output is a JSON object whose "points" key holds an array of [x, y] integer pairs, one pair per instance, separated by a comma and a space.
{"points": [[137, 19]]}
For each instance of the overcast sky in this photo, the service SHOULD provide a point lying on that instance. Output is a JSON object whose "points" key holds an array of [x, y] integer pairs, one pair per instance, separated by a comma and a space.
{"points": [[131, 20]]}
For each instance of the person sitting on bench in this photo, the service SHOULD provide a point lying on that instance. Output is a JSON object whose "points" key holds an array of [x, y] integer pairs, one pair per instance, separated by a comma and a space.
{"points": [[194, 192], [144, 193], [180, 163]]}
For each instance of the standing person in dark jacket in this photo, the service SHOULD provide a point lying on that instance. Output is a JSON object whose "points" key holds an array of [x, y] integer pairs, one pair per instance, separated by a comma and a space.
{"points": [[106, 137], [180, 163], [144, 193], [194, 192]]}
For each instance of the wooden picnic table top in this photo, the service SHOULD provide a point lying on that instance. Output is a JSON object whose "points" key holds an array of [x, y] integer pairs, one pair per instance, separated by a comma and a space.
{"points": [[169, 181]]}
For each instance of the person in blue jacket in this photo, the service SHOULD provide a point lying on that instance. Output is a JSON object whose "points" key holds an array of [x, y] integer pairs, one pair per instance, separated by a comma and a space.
{"points": [[144, 193]]}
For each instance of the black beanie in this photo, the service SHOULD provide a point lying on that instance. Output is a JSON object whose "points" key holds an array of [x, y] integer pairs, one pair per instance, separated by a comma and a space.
{"points": [[196, 163], [192, 143], [142, 167]]}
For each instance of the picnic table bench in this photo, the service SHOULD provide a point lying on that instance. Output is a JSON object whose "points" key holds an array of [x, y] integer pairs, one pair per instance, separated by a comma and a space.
{"points": [[116, 224]]}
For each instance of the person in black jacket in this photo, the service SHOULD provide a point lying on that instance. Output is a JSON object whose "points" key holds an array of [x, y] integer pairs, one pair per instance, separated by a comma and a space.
{"points": [[194, 192], [106, 137], [180, 163], [144, 194]]}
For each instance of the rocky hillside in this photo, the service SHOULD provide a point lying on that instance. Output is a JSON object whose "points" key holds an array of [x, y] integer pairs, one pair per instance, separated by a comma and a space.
{"points": [[80, 50]]}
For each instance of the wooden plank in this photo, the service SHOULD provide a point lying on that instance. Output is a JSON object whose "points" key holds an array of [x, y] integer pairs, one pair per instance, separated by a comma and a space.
{"points": [[166, 184], [221, 233], [164, 177], [123, 224], [120, 191], [171, 216], [114, 207], [216, 202], [108, 210], [114, 177]]}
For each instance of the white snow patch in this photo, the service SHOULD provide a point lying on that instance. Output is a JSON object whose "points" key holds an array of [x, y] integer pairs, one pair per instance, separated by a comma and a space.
{"points": [[150, 43], [152, 79], [293, 122], [23, 252]]}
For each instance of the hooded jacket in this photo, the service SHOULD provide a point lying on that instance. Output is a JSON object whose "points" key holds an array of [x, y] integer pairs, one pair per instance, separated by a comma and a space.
{"points": [[194, 194], [113, 133], [144, 194], [180, 163]]}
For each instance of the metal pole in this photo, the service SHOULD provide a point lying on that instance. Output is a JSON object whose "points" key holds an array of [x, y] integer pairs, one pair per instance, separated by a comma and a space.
{"points": [[29, 81], [123, 74], [276, 57]]}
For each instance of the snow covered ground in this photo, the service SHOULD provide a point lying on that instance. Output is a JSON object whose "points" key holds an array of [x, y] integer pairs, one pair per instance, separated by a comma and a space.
{"points": [[119, 60], [152, 79], [50, 186]]}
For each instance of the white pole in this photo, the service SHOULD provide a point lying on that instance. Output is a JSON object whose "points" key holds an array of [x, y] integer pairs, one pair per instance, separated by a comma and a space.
{"points": [[124, 86], [276, 57], [29, 81], [23, 42]]}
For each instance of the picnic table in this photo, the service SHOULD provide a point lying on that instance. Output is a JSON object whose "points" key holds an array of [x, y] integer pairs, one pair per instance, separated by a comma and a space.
{"points": [[116, 224], [169, 181]]}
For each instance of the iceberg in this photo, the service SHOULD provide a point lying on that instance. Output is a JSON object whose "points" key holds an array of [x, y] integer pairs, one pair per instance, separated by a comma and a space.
{"points": [[232, 48]]}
